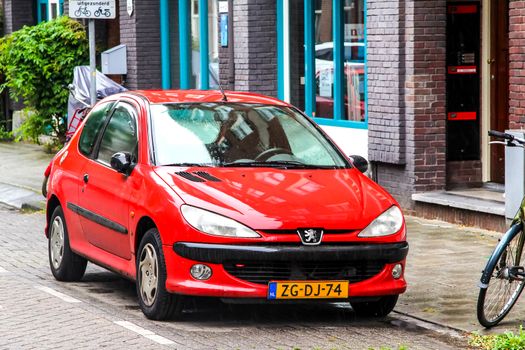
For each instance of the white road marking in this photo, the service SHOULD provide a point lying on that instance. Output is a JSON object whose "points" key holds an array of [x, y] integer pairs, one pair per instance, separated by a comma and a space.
{"points": [[3, 271], [144, 332], [62, 296]]}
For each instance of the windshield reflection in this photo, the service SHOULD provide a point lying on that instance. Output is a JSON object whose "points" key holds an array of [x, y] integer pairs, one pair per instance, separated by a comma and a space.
{"points": [[238, 134]]}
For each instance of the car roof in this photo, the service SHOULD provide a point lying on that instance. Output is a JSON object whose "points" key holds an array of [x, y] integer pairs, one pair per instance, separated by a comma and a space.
{"points": [[185, 96]]}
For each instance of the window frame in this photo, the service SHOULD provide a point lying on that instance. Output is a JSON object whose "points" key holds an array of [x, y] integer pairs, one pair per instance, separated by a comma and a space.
{"points": [[134, 115], [48, 4], [186, 10], [309, 70]]}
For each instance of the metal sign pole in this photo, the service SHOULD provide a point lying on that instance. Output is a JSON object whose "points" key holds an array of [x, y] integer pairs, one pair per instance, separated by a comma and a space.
{"points": [[92, 62]]}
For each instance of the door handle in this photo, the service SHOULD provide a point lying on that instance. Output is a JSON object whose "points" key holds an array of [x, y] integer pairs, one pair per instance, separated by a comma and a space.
{"points": [[86, 178]]}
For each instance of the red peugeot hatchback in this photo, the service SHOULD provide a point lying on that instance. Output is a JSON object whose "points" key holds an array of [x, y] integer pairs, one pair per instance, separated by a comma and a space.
{"points": [[230, 195]]}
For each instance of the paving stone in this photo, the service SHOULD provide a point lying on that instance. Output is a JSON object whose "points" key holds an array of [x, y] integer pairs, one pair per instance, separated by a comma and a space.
{"points": [[31, 318]]}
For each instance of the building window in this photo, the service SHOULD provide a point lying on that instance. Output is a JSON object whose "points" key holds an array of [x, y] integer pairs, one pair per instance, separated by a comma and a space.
{"points": [[189, 44], [49, 9], [333, 80], [199, 49]]}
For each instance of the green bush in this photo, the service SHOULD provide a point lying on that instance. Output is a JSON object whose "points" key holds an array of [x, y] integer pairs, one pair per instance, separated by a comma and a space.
{"points": [[505, 341], [38, 63]]}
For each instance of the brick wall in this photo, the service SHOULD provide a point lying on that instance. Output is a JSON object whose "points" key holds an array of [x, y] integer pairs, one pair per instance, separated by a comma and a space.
{"points": [[255, 48], [385, 57], [426, 92], [1, 18], [141, 34], [464, 173], [516, 64], [406, 98], [18, 13]]}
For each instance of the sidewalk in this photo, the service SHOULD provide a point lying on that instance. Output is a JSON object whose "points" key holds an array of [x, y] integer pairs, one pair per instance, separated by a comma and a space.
{"points": [[22, 169], [443, 267]]}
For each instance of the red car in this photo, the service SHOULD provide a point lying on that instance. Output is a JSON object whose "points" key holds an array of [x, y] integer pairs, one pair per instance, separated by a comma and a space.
{"points": [[230, 195]]}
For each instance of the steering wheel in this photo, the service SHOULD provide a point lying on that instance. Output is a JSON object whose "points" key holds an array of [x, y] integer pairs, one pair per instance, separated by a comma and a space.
{"points": [[264, 155]]}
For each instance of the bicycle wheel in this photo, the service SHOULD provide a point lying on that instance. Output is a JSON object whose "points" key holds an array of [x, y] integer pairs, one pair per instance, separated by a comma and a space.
{"points": [[504, 286]]}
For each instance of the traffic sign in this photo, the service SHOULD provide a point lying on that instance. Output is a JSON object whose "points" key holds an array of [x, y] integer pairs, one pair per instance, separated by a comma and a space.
{"points": [[92, 9]]}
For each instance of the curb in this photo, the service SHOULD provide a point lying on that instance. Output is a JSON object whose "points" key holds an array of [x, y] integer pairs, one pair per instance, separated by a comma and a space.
{"points": [[21, 198], [34, 206]]}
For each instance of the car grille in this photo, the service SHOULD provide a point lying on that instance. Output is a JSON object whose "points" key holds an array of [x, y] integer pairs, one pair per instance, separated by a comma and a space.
{"points": [[263, 272]]}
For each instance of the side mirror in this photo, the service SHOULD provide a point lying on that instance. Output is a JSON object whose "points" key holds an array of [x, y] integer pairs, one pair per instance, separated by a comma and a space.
{"points": [[360, 163], [122, 162]]}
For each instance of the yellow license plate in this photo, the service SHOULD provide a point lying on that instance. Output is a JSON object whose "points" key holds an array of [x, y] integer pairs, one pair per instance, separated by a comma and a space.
{"points": [[307, 289]]}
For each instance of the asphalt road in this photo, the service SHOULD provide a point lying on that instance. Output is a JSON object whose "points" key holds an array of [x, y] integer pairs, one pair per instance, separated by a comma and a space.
{"points": [[101, 311]]}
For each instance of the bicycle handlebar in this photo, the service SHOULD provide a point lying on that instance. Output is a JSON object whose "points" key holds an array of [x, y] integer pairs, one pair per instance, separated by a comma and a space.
{"points": [[503, 135]]}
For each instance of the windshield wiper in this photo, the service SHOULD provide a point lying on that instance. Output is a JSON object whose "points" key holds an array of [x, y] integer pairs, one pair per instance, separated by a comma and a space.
{"points": [[284, 164], [204, 165]]}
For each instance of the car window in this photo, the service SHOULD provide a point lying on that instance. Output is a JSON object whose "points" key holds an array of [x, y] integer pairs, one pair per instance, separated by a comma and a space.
{"points": [[325, 54], [94, 123], [120, 134]]}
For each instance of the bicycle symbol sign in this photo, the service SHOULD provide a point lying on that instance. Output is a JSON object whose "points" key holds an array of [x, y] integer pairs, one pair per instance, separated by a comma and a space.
{"points": [[93, 9]]}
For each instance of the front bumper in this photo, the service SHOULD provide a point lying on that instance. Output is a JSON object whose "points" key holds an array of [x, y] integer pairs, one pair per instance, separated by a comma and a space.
{"points": [[223, 259], [219, 253]]}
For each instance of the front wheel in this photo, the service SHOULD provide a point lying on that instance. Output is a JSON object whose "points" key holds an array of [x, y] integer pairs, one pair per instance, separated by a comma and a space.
{"points": [[499, 294], [377, 308], [154, 300]]}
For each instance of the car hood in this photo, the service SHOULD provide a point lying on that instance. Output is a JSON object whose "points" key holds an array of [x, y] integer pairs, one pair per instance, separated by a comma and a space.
{"points": [[273, 199]]}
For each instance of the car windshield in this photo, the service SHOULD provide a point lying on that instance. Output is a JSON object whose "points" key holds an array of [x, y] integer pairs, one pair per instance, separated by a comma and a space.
{"points": [[238, 134]]}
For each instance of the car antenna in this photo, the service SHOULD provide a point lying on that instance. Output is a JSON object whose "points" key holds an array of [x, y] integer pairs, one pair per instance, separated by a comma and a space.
{"points": [[224, 98]]}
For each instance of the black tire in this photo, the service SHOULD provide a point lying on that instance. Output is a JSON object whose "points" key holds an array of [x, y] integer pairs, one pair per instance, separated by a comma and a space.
{"points": [[154, 300], [44, 186], [502, 292], [64, 263], [378, 308]]}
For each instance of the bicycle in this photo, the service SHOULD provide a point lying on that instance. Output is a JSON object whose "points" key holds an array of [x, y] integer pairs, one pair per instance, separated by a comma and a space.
{"points": [[82, 11], [503, 278], [101, 12]]}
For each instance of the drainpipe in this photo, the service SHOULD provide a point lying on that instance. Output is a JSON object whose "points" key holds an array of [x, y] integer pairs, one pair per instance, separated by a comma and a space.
{"points": [[231, 50]]}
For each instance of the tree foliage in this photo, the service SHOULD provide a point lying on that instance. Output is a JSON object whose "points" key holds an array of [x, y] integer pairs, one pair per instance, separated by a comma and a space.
{"points": [[38, 63]]}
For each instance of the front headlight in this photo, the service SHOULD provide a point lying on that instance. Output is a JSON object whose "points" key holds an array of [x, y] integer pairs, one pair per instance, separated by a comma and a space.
{"points": [[215, 224], [388, 223]]}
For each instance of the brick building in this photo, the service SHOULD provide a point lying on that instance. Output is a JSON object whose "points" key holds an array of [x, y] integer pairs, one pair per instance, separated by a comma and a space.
{"points": [[414, 85]]}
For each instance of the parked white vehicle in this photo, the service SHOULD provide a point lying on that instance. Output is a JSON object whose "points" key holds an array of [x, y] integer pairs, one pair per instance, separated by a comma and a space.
{"points": [[354, 53]]}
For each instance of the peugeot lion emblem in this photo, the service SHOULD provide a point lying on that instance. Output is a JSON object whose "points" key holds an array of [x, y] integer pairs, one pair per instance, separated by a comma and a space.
{"points": [[310, 236]]}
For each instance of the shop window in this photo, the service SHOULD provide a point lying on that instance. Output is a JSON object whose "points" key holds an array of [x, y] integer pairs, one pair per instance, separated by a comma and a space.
{"points": [[333, 80], [186, 52]]}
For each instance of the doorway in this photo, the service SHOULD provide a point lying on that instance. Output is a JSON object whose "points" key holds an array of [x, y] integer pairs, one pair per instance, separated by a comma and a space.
{"points": [[499, 83], [463, 78]]}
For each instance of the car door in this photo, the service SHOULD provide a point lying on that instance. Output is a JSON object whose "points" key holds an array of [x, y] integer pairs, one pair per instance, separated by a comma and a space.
{"points": [[105, 194], [72, 163]]}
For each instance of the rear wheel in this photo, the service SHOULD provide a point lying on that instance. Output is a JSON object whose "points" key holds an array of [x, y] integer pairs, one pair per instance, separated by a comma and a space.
{"points": [[505, 284], [65, 264], [154, 300], [378, 308], [44, 186]]}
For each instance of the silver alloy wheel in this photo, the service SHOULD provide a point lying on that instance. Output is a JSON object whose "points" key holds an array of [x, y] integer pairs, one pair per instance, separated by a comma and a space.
{"points": [[148, 267], [57, 242]]}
